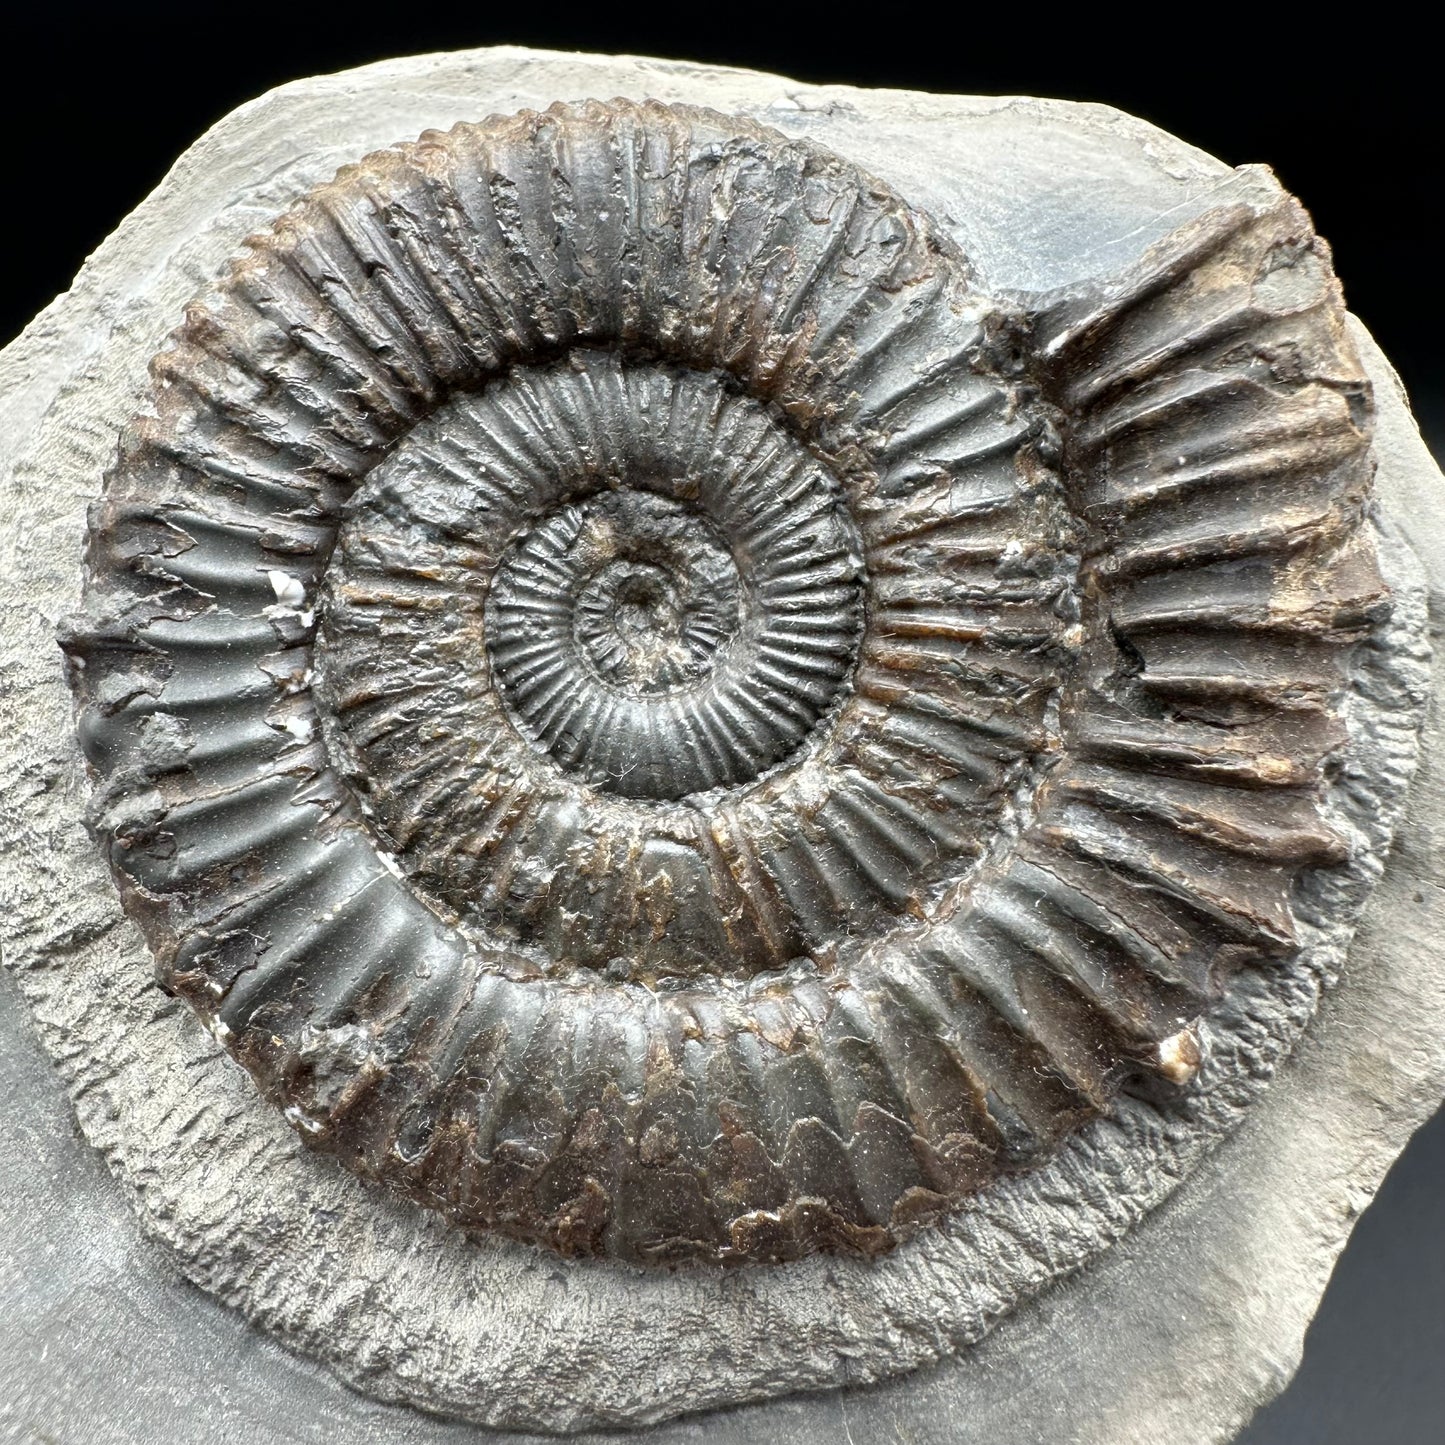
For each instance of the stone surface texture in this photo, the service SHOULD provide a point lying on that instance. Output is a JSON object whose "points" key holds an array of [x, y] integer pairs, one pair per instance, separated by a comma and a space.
{"points": [[1190, 1314]]}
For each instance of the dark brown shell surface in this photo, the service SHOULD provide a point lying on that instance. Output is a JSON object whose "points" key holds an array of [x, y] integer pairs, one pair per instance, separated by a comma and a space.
{"points": [[653, 716]]}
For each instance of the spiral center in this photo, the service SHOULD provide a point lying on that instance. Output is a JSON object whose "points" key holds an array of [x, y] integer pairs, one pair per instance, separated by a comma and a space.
{"points": [[631, 649], [659, 592]]}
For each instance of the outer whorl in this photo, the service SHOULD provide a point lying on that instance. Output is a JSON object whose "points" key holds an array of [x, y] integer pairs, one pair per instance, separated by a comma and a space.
{"points": [[651, 715]]}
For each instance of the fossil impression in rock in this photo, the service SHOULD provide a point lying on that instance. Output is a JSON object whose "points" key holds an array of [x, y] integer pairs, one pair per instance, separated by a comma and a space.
{"points": [[651, 715]]}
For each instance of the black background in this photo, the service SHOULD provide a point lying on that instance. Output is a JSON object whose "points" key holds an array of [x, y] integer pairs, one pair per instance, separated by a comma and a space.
{"points": [[1344, 103]]}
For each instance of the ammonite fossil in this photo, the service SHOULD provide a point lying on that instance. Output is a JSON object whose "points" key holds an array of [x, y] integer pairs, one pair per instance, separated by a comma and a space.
{"points": [[652, 715]]}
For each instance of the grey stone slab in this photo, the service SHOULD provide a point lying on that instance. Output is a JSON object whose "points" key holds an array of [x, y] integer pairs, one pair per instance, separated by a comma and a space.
{"points": [[1179, 1329]]}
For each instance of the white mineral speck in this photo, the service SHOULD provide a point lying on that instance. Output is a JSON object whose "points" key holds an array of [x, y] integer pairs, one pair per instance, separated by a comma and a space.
{"points": [[288, 589]]}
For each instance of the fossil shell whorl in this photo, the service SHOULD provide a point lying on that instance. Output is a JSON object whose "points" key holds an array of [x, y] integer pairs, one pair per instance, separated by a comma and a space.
{"points": [[486, 708], [650, 714]]}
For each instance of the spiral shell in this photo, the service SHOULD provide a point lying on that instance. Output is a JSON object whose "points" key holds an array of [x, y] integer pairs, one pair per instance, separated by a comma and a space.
{"points": [[650, 714]]}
